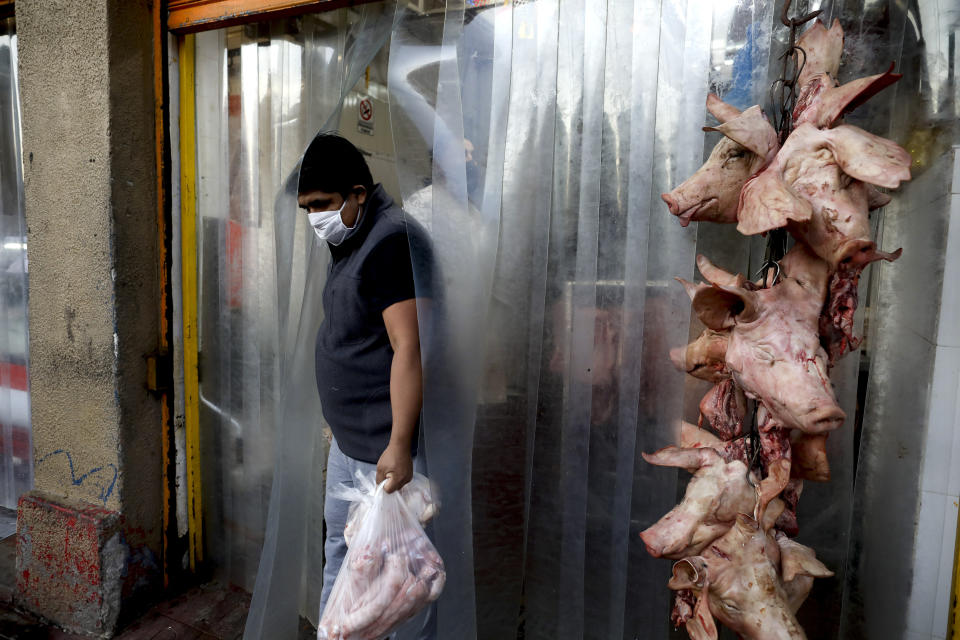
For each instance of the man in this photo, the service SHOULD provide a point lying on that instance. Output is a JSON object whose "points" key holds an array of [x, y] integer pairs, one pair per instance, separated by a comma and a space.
{"points": [[368, 347]]}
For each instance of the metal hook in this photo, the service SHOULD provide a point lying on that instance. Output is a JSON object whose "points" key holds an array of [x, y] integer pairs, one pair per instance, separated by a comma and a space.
{"points": [[752, 442], [769, 264], [796, 22]]}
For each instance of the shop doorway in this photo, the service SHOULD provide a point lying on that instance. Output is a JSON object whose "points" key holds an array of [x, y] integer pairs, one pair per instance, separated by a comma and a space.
{"points": [[258, 94]]}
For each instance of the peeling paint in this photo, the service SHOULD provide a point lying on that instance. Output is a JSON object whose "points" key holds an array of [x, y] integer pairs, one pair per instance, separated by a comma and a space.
{"points": [[70, 563]]}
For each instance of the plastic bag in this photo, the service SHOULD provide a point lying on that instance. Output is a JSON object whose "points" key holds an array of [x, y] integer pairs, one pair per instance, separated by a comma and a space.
{"points": [[419, 495], [391, 570]]}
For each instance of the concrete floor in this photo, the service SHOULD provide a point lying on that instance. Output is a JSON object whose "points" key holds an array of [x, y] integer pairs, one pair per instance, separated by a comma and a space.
{"points": [[208, 612]]}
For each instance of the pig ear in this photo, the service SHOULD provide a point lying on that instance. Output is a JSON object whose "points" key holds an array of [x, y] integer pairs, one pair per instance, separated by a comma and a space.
{"points": [[864, 156], [689, 573], [693, 437], [778, 475], [799, 560], [691, 287], [751, 130], [837, 101], [766, 204], [722, 307], [772, 512], [691, 459], [823, 47], [714, 274], [720, 109], [701, 625]]}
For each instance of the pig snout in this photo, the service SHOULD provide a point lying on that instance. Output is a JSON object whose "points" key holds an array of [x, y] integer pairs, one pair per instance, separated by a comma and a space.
{"points": [[687, 207], [655, 540], [678, 356], [671, 534], [672, 203], [823, 419], [659, 539], [654, 548], [859, 252]]}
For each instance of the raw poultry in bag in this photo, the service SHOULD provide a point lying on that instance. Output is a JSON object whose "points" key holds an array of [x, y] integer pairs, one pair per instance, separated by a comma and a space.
{"points": [[391, 570]]}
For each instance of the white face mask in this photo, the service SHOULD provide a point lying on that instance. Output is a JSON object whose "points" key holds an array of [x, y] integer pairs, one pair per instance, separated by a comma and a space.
{"points": [[328, 225]]}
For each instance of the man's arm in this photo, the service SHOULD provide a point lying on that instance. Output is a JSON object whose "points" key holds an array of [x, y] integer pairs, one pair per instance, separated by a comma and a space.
{"points": [[406, 393]]}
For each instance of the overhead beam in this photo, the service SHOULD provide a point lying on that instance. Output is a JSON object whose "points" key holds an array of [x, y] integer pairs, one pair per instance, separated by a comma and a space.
{"points": [[187, 16]]}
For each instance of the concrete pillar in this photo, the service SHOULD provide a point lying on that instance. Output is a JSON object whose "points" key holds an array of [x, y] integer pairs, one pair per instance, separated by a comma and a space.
{"points": [[87, 98]]}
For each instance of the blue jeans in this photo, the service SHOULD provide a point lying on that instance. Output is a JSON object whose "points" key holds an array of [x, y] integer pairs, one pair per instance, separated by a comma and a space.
{"points": [[340, 470]]}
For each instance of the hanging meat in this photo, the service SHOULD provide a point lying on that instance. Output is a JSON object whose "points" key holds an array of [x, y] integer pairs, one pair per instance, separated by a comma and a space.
{"points": [[817, 187], [718, 491], [748, 581], [748, 145], [773, 339], [769, 343]]}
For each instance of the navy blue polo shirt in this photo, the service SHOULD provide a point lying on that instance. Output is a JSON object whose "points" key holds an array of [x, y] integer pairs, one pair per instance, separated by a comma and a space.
{"points": [[369, 271]]}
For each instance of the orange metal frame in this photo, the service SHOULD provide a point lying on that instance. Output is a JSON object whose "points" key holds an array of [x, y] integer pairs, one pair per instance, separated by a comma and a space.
{"points": [[160, 157], [198, 15]]}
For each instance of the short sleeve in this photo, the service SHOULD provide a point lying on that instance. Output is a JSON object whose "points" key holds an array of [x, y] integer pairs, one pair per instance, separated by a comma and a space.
{"points": [[388, 272]]}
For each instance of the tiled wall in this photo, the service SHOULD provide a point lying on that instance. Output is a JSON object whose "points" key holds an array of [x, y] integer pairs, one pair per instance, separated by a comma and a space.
{"points": [[937, 520]]}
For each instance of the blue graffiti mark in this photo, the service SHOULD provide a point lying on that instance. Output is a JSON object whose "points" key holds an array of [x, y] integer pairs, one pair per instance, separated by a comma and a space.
{"points": [[106, 489]]}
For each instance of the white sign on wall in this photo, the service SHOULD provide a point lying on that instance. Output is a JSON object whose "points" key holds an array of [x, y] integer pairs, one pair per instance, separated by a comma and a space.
{"points": [[365, 116]]}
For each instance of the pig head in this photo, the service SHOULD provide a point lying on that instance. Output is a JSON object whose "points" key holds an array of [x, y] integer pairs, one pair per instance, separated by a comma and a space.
{"points": [[774, 351], [711, 194], [735, 581], [818, 187], [718, 491]]}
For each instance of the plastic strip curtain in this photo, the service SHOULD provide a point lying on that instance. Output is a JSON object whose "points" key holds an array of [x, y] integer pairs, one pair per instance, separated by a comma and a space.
{"points": [[16, 450], [557, 299], [262, 92]]}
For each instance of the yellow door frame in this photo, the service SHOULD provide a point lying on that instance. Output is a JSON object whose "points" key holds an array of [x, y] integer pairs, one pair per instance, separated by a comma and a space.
{"points": [[191, 345]]}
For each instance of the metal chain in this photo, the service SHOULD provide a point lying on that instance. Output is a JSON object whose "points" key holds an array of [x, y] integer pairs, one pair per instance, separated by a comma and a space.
{"points": [[794, 59]]}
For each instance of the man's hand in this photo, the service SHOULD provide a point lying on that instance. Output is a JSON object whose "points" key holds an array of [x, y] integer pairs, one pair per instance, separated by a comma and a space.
{"points": [[396, 464]]}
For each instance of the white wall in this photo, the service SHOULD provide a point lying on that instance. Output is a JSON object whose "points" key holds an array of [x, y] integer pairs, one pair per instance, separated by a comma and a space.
{"points": [[931, 591]]}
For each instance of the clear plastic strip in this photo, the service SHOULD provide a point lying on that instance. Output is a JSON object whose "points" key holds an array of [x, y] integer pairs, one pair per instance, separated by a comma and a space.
{"points": [[538, 65], [582, 28], [637, 36], [681, 94]]}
